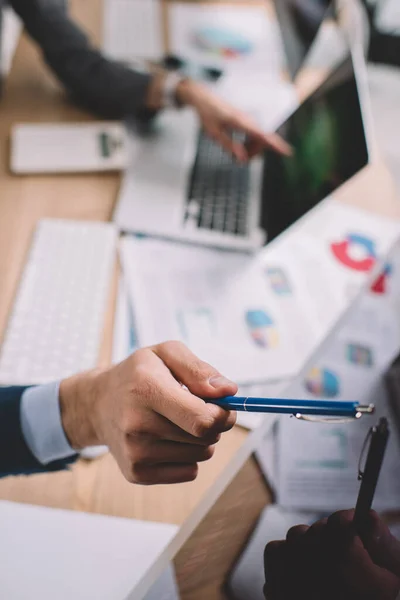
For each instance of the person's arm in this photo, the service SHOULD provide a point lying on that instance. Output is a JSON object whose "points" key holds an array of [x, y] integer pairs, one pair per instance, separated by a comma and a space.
{"points": [[157, 431], [21, 428], [103, 86], [115, 91]]}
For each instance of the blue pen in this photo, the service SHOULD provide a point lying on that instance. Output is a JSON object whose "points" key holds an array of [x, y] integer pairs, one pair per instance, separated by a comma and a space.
{"points": [[322, 408]]}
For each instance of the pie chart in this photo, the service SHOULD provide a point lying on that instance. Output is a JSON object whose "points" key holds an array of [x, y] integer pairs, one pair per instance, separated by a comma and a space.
{"points": [[261, 328], [221, 42], [322, 383], [357, 252]]}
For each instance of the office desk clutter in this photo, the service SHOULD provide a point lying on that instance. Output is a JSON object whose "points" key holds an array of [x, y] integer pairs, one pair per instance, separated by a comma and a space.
{"points": [[260, 268], [257, 318]]}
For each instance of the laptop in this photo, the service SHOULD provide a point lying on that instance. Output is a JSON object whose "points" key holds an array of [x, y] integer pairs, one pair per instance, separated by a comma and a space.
{"points": [[184, 187]]}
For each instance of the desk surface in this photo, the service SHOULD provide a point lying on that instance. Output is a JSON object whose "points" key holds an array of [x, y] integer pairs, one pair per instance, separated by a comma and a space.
{"points": [[32, 94]]}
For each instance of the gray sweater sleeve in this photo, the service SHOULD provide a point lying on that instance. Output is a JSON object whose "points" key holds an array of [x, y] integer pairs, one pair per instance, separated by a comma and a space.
{"points": [[103, 86]]}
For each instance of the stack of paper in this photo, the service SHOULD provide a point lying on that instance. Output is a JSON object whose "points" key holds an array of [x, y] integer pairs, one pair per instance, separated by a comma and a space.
{"points": [[316, 465], [256, 318]]}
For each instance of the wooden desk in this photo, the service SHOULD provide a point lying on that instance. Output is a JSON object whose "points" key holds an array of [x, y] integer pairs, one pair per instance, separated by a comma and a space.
{"points": [[33, 95]]}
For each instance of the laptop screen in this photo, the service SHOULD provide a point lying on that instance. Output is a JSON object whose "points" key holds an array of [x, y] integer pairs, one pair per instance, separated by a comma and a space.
{"points": [[329, 142], [299, 23]]}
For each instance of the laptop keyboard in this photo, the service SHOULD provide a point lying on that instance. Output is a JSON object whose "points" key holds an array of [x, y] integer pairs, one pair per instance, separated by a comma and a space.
{"points": [[218, 190]]}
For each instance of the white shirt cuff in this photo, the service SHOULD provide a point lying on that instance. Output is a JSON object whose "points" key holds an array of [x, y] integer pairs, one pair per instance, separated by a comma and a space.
{"points": [[41, 423]]}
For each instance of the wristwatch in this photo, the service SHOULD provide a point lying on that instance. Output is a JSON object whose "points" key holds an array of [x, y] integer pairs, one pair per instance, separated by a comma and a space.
{"points": [[170, 85]]}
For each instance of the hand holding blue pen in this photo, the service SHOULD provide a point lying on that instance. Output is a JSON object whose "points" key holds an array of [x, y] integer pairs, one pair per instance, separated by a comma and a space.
{"points": [[321, 408]]}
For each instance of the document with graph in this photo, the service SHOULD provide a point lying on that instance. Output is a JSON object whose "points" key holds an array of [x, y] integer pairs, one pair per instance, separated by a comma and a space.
{"points": [[213, 301], [318, 462], [256, 317]]}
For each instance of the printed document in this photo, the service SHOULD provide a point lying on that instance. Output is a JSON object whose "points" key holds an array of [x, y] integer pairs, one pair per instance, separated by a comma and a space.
{"points": [[318, 463], [256, 318]]}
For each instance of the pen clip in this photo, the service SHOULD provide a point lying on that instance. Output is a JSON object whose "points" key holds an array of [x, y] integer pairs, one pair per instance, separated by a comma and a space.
{"points": [[337, 420], [363, 449]]}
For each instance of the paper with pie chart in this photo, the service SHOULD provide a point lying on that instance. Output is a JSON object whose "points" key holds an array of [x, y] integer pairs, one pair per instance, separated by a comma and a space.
{"points": [[234, 37], [215, 302], [259, 318], [318, 462], [323, 262]]}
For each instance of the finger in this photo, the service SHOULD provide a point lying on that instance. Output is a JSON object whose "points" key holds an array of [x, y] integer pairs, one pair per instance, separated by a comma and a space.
{"points": [[188, 412], [154, 453], [269, 140], [202, 379], [340, 528], [274, 559], [278, 144], [152, 426], [381, 545], [296, 532], [165, 473], [231, 146]]}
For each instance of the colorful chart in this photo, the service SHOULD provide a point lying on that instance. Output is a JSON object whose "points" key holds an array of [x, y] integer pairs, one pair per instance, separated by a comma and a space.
{"points": [[380, 285], [262, 329], [322, 383], [222, 42], [359, 355], [356, 252], [278, 281]]}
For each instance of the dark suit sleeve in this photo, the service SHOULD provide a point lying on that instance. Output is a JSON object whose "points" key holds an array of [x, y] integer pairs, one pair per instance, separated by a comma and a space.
{"points": [[103, 86], [15, 456]]}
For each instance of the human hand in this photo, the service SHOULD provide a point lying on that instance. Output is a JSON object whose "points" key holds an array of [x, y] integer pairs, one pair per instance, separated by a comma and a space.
{"points": [[329, 561], [219, 119], [157, 430]]}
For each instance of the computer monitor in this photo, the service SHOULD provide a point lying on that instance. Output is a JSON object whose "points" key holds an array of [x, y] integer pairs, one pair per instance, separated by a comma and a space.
{"points": [[329, 140], [299, 23]]}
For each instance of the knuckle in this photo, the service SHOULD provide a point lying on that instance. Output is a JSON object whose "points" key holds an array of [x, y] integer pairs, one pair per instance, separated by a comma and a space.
{"points": [[202, 426], [339, 519], [209, 452], [191, 473], [140, 475], [271, 549]]}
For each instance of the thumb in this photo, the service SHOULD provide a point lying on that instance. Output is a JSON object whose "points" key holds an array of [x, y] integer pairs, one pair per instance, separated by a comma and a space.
{"points": [[381, 545], [199, 377]]}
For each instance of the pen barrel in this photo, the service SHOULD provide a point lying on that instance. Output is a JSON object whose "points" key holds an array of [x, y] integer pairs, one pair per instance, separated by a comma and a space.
{"points": [[370, 476], [323, 408]]}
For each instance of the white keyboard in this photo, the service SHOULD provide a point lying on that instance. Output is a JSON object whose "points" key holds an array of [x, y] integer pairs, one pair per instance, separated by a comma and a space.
{"points": [[56, 324]]}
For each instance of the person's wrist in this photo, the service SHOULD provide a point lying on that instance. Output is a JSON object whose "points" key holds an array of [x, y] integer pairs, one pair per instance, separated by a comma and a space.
{"points": [[188, 92], [77, 400]]}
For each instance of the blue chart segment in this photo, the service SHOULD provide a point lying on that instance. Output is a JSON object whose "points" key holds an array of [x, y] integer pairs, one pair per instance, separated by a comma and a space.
{"points": [[322, 383], [221, 42], [262, 328]]}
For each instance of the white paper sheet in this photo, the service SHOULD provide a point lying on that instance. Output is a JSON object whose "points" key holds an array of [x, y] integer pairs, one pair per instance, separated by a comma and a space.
{"points": [[267, 455], [132, 29], [209, 300], [10, 34], [318, 463], [50, 553], [124, 336], [266, 98], [235, 38], [259, 318], [247, 579]]}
